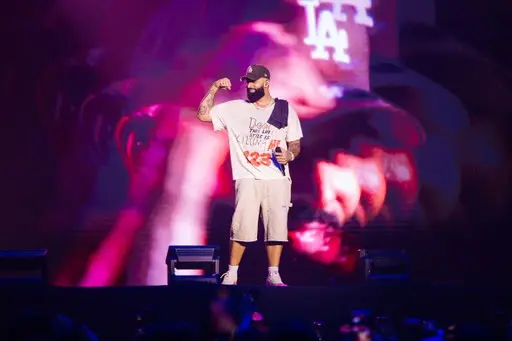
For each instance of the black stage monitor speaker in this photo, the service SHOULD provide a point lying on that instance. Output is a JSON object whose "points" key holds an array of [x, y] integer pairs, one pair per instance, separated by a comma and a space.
{"points": [[23, 266], [384, 264], [193, 257]]}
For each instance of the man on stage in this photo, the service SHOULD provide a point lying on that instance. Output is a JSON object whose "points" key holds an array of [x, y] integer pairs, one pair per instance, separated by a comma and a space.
{"points": [[264, 136]]}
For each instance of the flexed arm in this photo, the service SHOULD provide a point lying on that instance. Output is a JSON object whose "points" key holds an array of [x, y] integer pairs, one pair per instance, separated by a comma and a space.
{"points": [[203, 112]]}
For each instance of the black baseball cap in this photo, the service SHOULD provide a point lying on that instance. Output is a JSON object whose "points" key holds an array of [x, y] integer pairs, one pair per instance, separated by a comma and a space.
{"points": [[255, 72]]}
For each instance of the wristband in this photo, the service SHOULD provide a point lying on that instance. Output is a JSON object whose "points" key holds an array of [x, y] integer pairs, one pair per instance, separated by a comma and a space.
{"points": [[293, 157]]}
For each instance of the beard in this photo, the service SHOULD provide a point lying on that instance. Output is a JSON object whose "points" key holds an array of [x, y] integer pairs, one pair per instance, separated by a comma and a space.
{"points": [[254, 95]]}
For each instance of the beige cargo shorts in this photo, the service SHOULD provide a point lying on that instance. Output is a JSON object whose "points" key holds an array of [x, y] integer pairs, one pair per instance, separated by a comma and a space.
{"points": [[273, 197]]}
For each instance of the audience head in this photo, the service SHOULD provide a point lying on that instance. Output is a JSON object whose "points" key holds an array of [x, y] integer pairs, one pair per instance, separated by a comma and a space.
{"points": [[164, 332], [292, 330], [38, 327]]}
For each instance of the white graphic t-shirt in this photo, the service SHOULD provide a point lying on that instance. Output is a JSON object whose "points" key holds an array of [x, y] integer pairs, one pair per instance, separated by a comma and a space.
{"points": [[252, 141]]}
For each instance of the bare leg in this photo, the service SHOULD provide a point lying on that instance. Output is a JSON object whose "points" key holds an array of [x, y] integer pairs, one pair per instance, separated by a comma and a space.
{"points": [[235, 257], [237, 251], [274, 251]]}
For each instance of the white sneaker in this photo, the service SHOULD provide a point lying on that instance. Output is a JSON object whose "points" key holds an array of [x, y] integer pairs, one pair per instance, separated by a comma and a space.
{"points": [[274, 280], [229, 278]]}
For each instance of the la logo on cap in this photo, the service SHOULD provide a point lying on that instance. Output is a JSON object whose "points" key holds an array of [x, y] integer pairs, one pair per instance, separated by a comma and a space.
{"points": [[249, 69]]}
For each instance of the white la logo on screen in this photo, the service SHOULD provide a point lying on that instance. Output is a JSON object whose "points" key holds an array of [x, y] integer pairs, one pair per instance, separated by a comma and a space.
{"points": [[323, 33]]}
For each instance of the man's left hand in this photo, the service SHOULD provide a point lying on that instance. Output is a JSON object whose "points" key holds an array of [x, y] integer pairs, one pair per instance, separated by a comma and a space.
{"points": [[283, 157]]}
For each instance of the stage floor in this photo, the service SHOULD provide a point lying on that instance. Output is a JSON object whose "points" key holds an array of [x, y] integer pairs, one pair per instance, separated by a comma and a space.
{"points": [[111, 312]]}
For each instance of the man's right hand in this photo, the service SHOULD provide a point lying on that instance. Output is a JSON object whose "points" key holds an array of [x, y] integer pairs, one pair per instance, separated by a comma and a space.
{"points": [[203, 112], [223, 83]]}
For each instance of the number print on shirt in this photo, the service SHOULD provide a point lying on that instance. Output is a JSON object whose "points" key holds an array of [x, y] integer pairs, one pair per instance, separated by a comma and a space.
{"points": [[257, 159]]}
